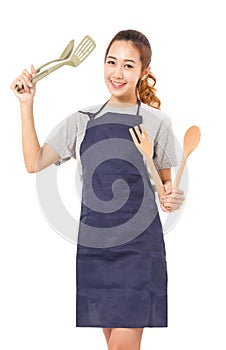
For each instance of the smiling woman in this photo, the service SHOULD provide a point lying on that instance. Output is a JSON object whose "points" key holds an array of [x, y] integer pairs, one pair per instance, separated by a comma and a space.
{"points": [[121, 271], [137, 57]]}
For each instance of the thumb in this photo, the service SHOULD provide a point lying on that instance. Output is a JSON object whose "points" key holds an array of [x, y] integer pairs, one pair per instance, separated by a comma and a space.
{"points": [[167, 187], [33, 71]]}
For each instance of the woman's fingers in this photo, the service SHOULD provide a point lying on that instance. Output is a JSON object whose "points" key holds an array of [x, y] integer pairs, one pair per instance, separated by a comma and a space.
{"points": [[23, 81], [26, 80], [165, 208], [167, 187], [33, 71], [173, 201], [22, 86]]}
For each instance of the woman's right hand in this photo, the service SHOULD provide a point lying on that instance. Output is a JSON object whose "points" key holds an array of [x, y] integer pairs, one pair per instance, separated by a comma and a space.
{"points": [[24, 82]]}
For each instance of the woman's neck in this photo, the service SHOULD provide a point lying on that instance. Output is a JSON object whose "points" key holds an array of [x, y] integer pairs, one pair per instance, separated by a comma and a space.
{"points": [[122, 103]]}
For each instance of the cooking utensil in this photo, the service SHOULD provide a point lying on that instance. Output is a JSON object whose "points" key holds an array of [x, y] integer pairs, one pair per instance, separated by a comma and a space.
{"points": [[145, 148], [82, 51], [65, 54], [191, 141]]}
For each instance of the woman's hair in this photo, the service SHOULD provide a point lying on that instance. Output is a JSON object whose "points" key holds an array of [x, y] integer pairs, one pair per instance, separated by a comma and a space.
{"points": [[145, 88]]}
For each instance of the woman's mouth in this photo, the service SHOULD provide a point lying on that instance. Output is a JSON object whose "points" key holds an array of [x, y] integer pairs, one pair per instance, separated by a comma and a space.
{"points": [[117, 85]]}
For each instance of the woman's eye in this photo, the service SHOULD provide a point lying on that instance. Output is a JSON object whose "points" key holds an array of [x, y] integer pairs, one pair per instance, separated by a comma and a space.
{"points": [[111, 62], [128, 66]]}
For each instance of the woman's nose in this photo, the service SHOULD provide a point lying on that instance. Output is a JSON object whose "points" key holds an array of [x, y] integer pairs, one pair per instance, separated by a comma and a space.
{"points": [[118, 73]]}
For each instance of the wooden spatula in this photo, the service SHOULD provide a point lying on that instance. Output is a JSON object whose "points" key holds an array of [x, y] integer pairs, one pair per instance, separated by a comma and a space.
{"points": [[145, 148], [191, 141]]}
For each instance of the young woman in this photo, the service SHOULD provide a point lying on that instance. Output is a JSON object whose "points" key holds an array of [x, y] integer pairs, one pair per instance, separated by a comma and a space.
{"points": [[121, 270]]}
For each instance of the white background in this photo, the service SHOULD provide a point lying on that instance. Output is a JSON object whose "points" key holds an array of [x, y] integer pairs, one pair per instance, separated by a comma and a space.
{"points": [[38, 279]]}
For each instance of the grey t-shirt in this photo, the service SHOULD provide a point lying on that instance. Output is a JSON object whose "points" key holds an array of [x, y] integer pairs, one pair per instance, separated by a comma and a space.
{"points": [[67, 136]]}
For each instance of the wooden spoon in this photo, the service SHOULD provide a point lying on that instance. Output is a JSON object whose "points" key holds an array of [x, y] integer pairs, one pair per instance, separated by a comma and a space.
{"points": [[191, 141]]}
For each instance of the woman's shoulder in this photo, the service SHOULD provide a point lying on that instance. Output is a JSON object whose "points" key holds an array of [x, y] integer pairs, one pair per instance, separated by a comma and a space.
{"points": [[151, 114]]}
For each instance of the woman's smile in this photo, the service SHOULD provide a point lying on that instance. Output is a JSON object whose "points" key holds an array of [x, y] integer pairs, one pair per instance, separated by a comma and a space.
{"points": [[117, 85]]}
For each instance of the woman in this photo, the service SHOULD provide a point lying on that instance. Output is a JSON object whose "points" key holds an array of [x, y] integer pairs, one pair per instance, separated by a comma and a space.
{"points": [[121, 271]]}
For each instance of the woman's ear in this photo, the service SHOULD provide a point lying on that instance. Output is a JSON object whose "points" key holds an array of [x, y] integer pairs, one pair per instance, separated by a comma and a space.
{"points": [[145, 73]]}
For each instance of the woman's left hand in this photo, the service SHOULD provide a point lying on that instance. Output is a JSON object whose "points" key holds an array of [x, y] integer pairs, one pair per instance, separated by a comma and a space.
{"points": [[172, 199]]}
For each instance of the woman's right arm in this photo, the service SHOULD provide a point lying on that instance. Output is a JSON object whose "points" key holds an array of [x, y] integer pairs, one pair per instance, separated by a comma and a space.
{"points": [[35, 157]]}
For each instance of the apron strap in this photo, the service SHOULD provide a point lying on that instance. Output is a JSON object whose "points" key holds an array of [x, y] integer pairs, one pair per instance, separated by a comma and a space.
{"points": [[92, 115], [138, 108]]}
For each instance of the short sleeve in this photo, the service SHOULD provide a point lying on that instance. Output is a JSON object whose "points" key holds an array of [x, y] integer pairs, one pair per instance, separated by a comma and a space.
{"points": [[164, 147], [63, 139]]}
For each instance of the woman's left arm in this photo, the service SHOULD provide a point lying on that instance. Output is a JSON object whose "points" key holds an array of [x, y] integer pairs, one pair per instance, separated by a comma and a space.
{"points": [[172, 198]]}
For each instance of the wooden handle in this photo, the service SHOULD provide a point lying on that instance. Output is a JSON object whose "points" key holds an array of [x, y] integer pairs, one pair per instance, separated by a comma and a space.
{"points": [[155, 175], [180, 172], [191, 141]]}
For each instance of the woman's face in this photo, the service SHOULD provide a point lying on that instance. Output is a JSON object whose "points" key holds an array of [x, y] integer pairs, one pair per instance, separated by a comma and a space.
{"points": [[122, 71]]}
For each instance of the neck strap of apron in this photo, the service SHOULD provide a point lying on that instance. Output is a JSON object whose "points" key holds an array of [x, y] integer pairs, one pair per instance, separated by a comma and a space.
{"points": [[92, 115], [102, 107], [138, 108]]}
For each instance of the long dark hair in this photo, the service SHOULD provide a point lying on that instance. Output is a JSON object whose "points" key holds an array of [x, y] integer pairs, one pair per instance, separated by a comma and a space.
{"points": [[145, 88]]}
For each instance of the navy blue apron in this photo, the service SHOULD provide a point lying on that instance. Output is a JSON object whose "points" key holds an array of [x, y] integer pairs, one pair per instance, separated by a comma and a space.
{"points": [[121, 272]]}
